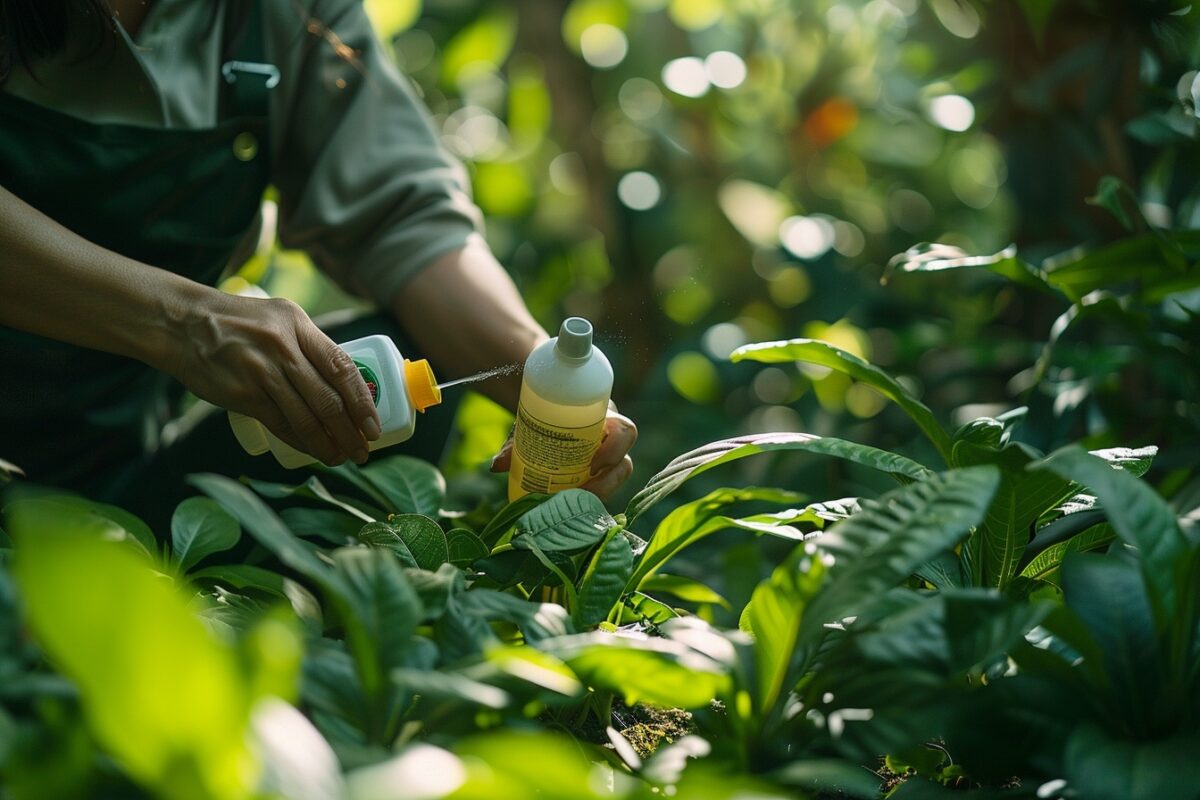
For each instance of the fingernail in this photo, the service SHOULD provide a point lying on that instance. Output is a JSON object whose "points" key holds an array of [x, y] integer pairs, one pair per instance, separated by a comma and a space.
{"points": [[370, 428], [361, 457], [495, 460]]}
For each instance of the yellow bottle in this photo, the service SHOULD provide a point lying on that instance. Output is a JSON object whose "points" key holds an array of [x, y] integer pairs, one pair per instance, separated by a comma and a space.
{"points": [[560, 417]]}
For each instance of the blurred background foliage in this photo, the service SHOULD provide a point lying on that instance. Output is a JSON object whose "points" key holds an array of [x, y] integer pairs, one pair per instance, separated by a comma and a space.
{"points": [[693, 175]]}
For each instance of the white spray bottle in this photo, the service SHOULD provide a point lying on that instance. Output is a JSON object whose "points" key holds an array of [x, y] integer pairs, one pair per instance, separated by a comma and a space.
{"points": [[399, 387]]}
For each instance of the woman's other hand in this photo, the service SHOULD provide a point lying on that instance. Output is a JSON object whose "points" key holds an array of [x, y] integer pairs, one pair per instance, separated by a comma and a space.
{"points": [[265, 358], [611, 466]]}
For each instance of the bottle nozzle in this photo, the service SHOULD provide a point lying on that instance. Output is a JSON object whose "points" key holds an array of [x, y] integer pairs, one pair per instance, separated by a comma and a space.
{"points": [[575, 338], [423, 390]]}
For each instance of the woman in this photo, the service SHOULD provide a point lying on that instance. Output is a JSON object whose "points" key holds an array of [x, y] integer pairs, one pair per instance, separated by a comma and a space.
{"points": [[136, 140]]}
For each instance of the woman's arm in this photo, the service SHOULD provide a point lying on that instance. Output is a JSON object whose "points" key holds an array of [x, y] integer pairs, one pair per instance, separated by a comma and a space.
{"points": [[264, 358]]}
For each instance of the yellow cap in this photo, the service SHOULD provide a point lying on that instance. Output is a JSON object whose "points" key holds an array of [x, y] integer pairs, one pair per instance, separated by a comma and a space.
{"points": [[423, 390]]}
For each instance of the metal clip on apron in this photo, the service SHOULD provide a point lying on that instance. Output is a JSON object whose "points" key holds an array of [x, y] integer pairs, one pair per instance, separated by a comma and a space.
{"points": [[176, 199]]}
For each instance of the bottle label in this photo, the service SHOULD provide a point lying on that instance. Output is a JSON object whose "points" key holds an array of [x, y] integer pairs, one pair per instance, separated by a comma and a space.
{"points": [[553, 457], [369, 378]]}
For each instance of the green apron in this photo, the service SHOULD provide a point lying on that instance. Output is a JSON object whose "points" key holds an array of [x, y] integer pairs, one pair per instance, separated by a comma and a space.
{"points": [[179, 200]]}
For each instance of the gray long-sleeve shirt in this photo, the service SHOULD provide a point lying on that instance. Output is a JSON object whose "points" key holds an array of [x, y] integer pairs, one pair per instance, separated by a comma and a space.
{"points": [[365, 186]]}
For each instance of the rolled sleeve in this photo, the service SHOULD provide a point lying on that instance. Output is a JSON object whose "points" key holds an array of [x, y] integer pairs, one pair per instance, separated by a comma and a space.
{"points": [[365, 186]]}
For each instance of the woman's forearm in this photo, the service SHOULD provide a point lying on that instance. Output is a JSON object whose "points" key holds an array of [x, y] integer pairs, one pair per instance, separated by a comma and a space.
{"points": [[57, 284], [465, 314]]}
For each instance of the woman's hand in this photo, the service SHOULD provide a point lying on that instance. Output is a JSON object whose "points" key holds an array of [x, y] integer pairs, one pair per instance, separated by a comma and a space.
{"points": [[265, 358], [611, 466]]}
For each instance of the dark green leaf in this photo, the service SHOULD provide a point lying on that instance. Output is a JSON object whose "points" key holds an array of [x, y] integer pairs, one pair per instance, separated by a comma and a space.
{"points": [[689, 589], [336, 527], [935, 257], [200, 527], [417, 540], [714, 454], [604, 581], [312, 489], [571, 520], [412, 486], [894, 536], [503, 522], [839, 778], [450, 686], [464, 547], [106, 521], [1047, 562], [1102, 767], [1140, 517], [380, 611], [264, 525]]}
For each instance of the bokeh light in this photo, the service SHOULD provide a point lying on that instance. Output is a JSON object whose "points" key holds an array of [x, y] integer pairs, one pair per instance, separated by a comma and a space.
{"points": [[639, 190], [686, 76], [952, 112], [603, 45], [806, 237], [724, 69]]}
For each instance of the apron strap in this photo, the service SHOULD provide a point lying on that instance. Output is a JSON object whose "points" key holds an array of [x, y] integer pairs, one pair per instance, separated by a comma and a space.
{"points": [[245, 75]]}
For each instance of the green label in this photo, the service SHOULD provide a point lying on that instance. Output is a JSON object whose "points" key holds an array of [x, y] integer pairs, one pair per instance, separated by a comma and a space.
{"points": [[369, 378]]}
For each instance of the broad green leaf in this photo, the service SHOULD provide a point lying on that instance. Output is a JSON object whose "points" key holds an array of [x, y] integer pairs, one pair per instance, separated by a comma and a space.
{"points": [[1139, 516], [311, 489], [411, 486], [830, 776], [335, 527], [935, 257], [773, 616], [571, 520], [512, 764], [646, 609], [266, 527], [164, 696], [200, 527], [1046, 563], [416, 539], [464, 547], [1134, 460], [507, 517], [380, 611], [693, 521], [450, 686], [1100, 766], [643, 669], [1116, 197], [537, 621], [247, 576], [894, 536], [352, 474], [604, 581], [1147, 263], [981, 627], [103, 520], [689, 589], [1108, 595], [694, 462], [813, 351], [1021, 498]]}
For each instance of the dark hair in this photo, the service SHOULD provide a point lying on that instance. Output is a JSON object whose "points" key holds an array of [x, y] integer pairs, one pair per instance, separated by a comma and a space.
{"points": [[31, 30]]}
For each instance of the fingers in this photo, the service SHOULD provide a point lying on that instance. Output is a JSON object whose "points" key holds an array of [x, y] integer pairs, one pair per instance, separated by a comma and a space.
{"points": [[356, 405], [605, 483], [326, 404], [503, 460], [620, 434], [303, 424]]}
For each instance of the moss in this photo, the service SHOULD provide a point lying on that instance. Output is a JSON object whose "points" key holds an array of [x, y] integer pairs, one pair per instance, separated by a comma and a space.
{"points": [[647, 727]]}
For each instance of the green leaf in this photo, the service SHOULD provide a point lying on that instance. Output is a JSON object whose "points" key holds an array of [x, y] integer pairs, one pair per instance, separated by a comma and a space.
{"points": [[199, 528], [689, 589], [1140, 517], [893, 537], [1134, 460], [571, 520], [1146, 263], [604, 582], [1046, 563], [694, 462], [1021, 498], [817, 352], [693, 521], [935, 257], [105, 521], [335, 527], [450, 686], [507, 517], [416, 539], [773, 616], [311, 489], [164, 696], [380, 611], [464, 547], [836, 778], [264, 525], [1112, 194], [643, 669], [1102, 767], [411, 486]]}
